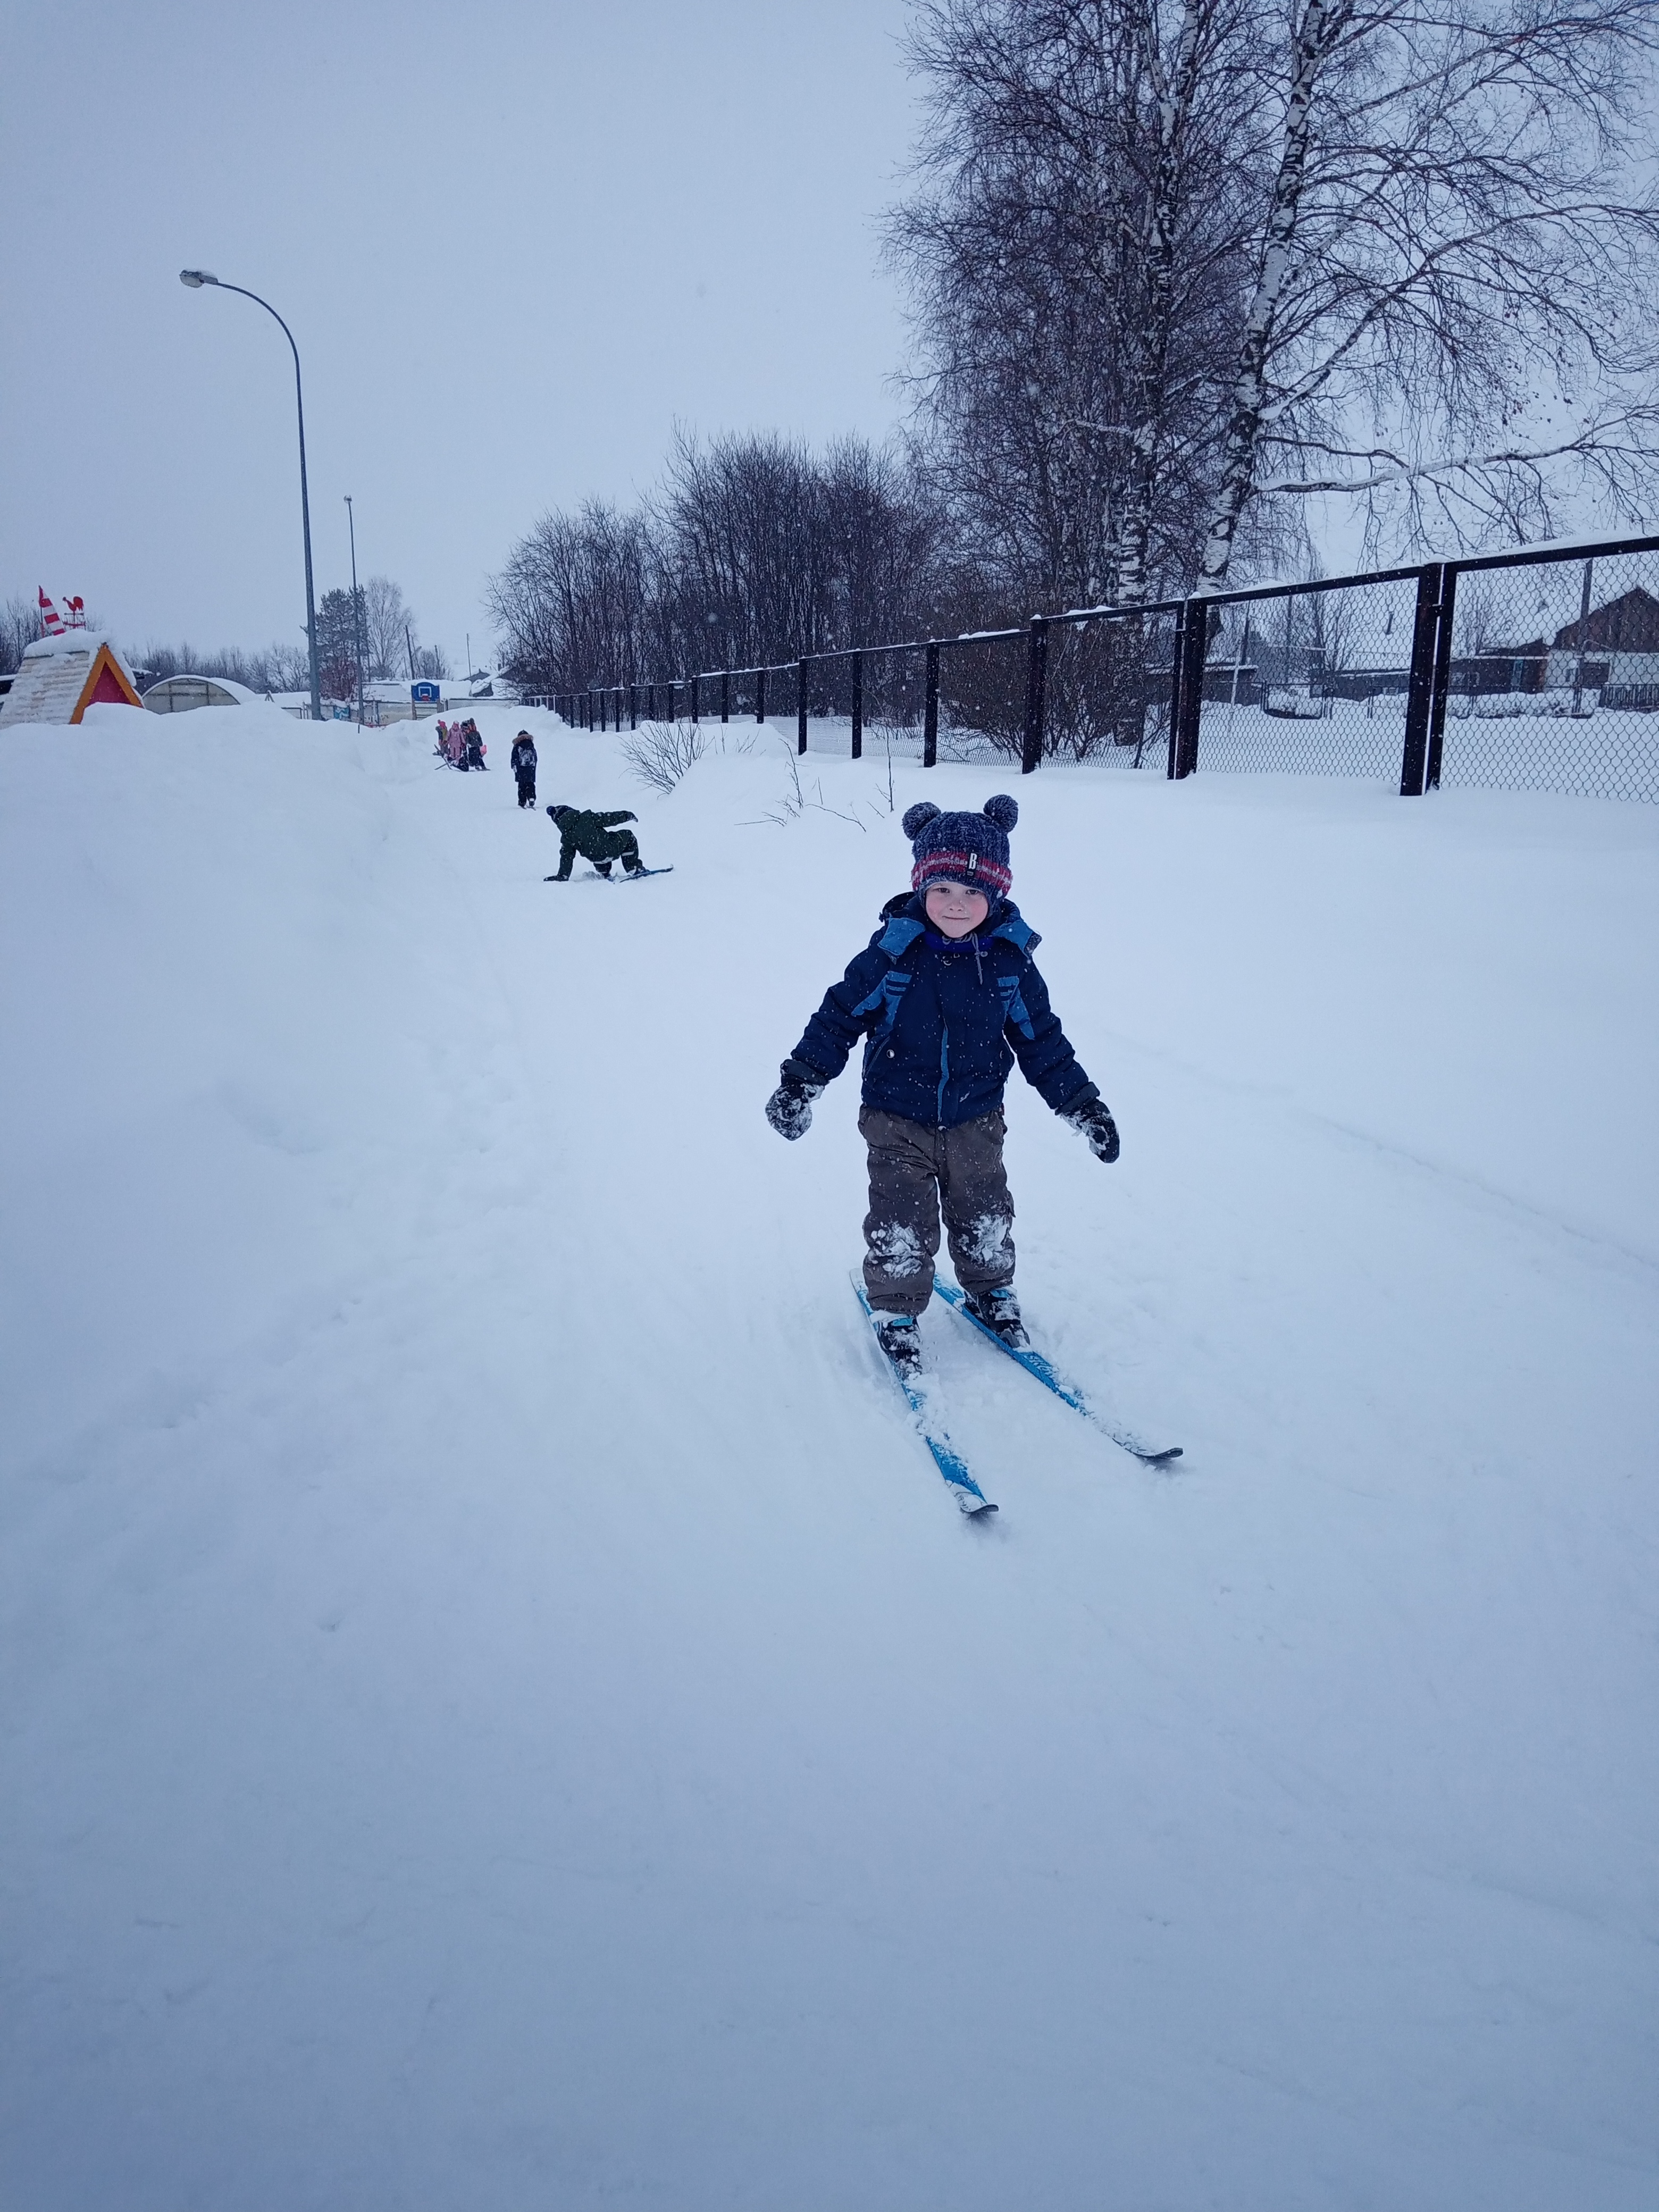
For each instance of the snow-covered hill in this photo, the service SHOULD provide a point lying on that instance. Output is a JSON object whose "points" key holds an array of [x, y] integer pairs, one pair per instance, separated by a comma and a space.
{"points": [[500, 1711]]}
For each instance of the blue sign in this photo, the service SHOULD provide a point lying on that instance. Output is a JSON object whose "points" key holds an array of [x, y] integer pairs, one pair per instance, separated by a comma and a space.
{"points": [[424, 693]]}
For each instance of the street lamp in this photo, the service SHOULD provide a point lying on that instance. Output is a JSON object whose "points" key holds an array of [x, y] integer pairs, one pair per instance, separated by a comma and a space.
{"points": [[195, 278]]}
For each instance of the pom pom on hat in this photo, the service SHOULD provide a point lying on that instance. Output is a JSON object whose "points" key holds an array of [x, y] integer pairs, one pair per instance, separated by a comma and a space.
{"points": [[963, 849]]}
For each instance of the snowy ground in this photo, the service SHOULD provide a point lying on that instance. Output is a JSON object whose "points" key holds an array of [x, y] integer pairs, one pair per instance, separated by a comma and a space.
{"points": [[499, 1712]]}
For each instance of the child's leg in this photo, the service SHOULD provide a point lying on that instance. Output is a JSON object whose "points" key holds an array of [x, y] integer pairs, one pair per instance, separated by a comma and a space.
{"points": [[901, 1230], [978, 1211], [629, 851]]}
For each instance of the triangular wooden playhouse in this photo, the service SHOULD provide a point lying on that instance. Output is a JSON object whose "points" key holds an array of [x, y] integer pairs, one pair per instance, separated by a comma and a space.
{"points": [[61, 677]]}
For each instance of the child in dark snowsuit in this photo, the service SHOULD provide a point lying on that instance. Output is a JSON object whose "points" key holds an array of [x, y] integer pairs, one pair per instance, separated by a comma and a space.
{"points": [[475, 743], [597, 837], [524, 767], [947, 997]]}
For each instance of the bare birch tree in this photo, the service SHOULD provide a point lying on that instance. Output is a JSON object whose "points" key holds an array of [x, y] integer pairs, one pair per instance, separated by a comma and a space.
{"points": [[1075, 250], [1449, 320], [388, 628]]}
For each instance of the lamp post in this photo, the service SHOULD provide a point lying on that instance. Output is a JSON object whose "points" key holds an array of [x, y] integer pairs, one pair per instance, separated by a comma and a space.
{"points": [[195, 278], [356, 608]]}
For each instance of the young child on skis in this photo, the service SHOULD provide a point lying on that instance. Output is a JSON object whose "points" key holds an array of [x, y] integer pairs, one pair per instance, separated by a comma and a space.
{"points": [[599, 838], [947, 997], [523, 757]]}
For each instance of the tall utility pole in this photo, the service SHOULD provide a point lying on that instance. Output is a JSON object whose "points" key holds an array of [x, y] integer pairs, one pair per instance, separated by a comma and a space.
{"points": [[356, 608], [194, 279]]}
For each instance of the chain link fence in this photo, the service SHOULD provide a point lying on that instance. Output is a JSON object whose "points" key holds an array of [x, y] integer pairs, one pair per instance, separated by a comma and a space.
{"points": [[1532, 670]]}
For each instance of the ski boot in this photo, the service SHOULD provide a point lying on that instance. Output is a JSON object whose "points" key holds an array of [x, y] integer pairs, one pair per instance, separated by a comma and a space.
{"points": [[999, 1311], [901, 1339]]}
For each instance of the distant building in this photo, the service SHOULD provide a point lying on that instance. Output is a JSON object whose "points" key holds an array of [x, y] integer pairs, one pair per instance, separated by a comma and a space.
{"points": [[1617, 655], [176, 694]]}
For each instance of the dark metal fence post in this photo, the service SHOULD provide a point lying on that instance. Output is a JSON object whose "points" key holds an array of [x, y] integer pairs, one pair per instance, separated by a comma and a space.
{"points": [[800, 706], [1196, 647], [725, 694], [1419, 692], [1178, 673], [760, 695], [668, 715], [1036, 671], [858, 706], [694, 686], [1442, 674], [930, 712], [633, 706]]}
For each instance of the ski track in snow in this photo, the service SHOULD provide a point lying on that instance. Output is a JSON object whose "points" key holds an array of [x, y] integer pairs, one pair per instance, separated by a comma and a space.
{"points": [[500, 1710]]}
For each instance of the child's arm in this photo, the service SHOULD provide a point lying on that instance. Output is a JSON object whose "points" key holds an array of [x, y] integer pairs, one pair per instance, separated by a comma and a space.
{"points": [[612, 821], [1043, 1049], [1050, 1067], [822, 1053], [841, 1020]]}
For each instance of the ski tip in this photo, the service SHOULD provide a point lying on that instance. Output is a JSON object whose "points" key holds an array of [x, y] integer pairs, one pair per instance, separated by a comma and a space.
{"points": [[975, 1508], [1164, 1458]]}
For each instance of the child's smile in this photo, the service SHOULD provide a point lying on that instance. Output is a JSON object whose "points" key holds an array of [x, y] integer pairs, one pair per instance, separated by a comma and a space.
{"points": [[954, 910]]}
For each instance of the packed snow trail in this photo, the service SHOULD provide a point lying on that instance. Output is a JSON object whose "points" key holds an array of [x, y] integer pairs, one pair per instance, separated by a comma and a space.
{"points": [[500, 1711]]}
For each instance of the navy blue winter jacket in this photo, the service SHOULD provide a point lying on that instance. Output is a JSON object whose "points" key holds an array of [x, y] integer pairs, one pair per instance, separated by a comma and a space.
{"points": [[944, 1020]]}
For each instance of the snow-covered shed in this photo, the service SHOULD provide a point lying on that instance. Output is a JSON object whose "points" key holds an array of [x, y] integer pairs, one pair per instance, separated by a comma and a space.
{"points": [[61, 677], [176, 694]]}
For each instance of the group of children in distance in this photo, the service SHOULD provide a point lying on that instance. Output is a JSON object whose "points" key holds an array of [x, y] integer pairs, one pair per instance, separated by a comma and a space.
{"points": [[946, 997], [460, 744]]}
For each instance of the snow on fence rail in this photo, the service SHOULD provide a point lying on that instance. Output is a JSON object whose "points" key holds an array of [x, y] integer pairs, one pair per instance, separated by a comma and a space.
{"points": [[1534, 670]]}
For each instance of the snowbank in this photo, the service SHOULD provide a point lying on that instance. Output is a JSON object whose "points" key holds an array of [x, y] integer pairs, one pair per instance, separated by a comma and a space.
{"points": [[502, 1713]]}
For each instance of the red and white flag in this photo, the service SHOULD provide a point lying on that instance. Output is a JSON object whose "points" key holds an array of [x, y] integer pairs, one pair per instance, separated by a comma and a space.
{"points": [[49, 625]]}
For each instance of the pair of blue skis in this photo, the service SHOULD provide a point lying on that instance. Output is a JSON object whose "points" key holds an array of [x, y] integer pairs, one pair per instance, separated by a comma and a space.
{"points": [[949, 1463]]}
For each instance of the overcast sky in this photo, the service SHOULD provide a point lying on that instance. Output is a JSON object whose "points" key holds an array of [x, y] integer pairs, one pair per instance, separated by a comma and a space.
{"points": [[516, 243]]}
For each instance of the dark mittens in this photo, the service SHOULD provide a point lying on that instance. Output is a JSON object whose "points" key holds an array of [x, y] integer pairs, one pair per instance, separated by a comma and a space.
{"points": [[1095, 1123], [789, 1110]]}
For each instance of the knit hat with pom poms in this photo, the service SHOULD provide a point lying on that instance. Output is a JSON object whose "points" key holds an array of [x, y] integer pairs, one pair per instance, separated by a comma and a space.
{"points": [[963, 849]]}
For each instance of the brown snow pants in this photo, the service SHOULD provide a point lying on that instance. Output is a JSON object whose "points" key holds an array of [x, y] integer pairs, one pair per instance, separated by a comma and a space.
{"points": [[912, 1169]]}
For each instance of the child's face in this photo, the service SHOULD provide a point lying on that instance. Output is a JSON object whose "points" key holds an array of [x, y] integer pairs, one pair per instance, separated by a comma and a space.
{"points": [[954, 910]]}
